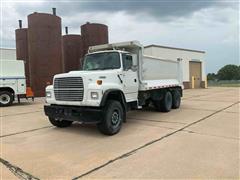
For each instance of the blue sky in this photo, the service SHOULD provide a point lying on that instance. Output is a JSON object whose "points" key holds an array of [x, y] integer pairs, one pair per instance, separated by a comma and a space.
{"points": [[212, 26]]}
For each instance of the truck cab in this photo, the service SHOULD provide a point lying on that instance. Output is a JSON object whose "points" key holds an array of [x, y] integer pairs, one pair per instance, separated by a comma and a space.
{"points": [[12, 81], [110, 83]]}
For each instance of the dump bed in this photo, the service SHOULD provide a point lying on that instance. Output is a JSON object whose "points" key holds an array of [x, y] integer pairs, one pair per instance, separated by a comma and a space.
{"points": [[154, 68], [153, 72], [159, 73]]}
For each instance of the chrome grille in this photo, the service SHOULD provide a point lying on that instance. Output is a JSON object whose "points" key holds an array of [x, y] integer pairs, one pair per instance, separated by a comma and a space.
{"points": [[68, 89]]}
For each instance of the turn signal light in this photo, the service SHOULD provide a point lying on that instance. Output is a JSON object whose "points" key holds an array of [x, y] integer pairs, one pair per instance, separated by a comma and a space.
{"points": [[99, 82]]}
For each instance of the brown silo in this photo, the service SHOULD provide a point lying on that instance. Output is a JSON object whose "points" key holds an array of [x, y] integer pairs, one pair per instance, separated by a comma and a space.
{"points": [[21, 36], [72, 52], [45, 50], [94, 34]]}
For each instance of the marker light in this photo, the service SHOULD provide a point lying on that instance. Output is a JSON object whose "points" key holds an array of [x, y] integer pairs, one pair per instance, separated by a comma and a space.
{"points": [[99, 82]]}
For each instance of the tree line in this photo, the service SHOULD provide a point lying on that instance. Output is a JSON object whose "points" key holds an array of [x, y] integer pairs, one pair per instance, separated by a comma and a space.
{"points": [[228, 72]]}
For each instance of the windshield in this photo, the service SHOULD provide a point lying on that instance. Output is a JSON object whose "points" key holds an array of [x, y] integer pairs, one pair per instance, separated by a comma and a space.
{"points": [[101, 61]]}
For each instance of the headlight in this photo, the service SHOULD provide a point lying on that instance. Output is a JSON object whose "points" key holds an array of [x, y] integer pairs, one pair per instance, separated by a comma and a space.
{"points": [[94, 95], [48, 94]]}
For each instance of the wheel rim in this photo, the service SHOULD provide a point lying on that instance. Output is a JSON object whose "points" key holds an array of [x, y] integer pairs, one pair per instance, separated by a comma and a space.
{"points": [[5, 99], [115, 119]]}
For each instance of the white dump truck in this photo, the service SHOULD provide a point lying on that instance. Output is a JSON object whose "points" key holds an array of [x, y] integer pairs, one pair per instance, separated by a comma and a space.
{"points": [[115, 78], [12, 81]]}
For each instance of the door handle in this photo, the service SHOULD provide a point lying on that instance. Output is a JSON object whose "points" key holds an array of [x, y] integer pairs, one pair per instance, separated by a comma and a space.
{"points": [[135, 80]]}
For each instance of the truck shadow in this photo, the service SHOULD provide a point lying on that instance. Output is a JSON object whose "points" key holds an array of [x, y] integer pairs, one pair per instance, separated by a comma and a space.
{"points": [[80, 129], [150, 109], [86, 130], [91, 130], [23, 104]]}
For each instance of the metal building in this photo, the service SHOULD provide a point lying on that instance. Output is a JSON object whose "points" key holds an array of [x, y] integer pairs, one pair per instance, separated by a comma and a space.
{"points": [[194, 75], [45, 50], [21, 36], [7, 54], [93, 34], [72, 51]]}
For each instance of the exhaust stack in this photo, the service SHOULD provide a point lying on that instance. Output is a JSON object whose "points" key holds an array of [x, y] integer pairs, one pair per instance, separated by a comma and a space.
{"points": [[54, 11], [20, 24], [66, 30]]}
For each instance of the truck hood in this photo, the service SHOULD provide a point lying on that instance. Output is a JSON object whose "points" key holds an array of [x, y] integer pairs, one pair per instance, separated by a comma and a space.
{"points": [[95, 73]]}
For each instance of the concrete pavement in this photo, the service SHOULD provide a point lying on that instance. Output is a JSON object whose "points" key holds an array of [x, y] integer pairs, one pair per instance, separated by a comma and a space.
{"points": [[199, 140]]}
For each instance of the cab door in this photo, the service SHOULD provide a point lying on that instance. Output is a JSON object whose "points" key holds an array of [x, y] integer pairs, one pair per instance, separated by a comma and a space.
{"points": [[130, 78]]}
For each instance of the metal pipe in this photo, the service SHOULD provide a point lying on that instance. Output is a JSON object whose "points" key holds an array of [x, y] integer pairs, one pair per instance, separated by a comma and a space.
{"points": [[54, 11], [20, 24], [66, 30]]}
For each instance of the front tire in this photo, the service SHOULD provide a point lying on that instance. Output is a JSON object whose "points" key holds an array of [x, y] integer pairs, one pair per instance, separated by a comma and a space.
{"points": [[60, 123], [113, 118], [6, 98]]}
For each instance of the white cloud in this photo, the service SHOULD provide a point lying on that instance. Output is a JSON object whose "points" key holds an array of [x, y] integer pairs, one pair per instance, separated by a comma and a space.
{"points": [[212, 29]]}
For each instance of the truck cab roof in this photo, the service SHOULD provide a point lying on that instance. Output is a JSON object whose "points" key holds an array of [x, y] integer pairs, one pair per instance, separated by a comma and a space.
{"points": [[104, 51], [122, 46]]}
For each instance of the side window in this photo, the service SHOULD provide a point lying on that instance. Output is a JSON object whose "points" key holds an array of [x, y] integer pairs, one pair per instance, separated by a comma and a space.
{"points": [[127, 61]]}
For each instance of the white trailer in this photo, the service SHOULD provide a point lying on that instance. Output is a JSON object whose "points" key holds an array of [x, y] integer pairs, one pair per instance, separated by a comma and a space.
{"points": [[115, 79], [12, 81]]}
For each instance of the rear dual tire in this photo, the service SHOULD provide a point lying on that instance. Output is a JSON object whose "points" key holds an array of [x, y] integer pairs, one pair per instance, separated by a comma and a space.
{"points": [[164, 105], [171, 100], [176, 97]]}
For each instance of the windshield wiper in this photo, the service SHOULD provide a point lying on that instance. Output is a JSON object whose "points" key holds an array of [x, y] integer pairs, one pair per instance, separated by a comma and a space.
{"points": [[119, 78], [94, 69], [105, 68]]}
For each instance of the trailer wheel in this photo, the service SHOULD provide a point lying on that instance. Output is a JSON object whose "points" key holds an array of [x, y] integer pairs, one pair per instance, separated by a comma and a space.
{"points": [[6, 98], [113, 118], [164, 105], [59, 123], [176, 99]]}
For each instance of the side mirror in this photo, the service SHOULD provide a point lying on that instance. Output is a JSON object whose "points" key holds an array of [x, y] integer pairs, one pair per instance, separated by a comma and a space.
{"points": [[134, 60]]}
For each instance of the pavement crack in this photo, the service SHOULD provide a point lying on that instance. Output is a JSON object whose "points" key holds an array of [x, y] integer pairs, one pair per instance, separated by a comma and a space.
{"points": [[18, 172], [158, 126], [127, 154], [20, 113], [152, 120], [22, 132], [201, 109], [213, 135]]}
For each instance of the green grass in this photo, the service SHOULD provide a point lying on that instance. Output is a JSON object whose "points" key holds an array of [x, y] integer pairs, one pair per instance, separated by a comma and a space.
{"points": [[225, 85]]}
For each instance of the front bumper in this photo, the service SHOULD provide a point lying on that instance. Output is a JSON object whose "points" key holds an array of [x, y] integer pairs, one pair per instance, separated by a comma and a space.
{"points": [[86, 115]]}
